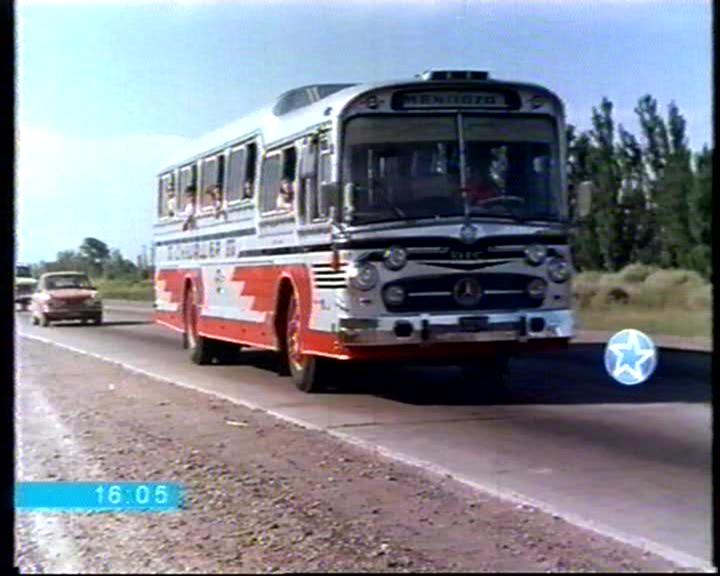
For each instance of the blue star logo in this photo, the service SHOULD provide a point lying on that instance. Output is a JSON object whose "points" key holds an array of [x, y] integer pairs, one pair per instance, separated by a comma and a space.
{"points": [[630, 357]]}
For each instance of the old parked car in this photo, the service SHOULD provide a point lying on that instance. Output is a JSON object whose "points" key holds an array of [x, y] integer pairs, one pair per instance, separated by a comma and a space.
{"points": [[65, 296]]}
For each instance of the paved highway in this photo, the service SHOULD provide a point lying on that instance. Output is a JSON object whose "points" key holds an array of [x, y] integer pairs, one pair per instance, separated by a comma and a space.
{"points": [[632, 462]]}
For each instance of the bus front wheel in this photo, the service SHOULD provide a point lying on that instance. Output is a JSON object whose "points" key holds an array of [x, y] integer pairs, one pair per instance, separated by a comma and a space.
{"points": [[199, 346], [308, 372]]}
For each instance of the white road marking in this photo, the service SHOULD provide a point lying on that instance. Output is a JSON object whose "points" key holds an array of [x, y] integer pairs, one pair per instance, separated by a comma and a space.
{"points": [[671, 554]]}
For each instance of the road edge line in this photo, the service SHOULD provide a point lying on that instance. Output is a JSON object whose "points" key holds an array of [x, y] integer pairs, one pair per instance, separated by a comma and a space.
{"points": [[682, 559]]}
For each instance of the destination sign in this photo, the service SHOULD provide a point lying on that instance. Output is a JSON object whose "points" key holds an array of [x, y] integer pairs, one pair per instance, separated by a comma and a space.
{"points": [[455, 99]]}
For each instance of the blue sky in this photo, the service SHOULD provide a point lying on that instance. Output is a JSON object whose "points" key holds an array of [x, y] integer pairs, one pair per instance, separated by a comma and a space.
{"points": [[106, 90]]}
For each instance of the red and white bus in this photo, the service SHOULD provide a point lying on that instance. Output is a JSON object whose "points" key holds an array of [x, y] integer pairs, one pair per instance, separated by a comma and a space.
{"points": [[420, 219]]}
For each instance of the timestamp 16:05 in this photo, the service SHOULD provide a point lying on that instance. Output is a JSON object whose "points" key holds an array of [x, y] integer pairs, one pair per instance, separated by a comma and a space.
{"points": [[98, 496], [154, 494]]}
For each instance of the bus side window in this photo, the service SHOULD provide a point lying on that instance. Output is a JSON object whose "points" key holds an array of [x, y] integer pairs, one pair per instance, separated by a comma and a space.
{"points": [[185, 180], [250, 164], [324, 176], [220, 176], [308, 180], [209, 178], [161, 205], [270, 181], [166, 196], [236, 176]]}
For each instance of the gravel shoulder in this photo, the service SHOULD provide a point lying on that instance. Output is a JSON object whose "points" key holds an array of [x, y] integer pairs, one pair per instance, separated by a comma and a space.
{"points": [[263, 495]]}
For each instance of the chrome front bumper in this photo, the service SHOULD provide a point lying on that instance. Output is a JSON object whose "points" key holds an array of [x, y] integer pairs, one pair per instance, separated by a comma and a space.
{"points": [[430, 328]]}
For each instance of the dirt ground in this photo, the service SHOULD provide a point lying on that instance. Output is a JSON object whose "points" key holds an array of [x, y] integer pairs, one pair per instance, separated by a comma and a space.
{"points": [[263, 495]]}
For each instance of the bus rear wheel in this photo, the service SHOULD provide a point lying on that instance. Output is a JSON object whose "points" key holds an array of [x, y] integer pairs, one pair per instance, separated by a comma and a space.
{"points": [[308, 373]]}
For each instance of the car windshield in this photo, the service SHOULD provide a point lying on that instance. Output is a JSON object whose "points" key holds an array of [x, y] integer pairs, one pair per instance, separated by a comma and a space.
{"points": [[410, 167], [69, 281]]}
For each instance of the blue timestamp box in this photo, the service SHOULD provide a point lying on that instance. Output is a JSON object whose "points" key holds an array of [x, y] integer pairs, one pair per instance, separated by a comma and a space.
{"points": [[98, 497]]}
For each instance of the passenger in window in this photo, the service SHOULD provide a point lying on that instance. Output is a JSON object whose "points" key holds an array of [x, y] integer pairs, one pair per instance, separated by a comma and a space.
{"points": [[247, 190], [171, 201], [286, 196], [215, 201], [189, 212]]}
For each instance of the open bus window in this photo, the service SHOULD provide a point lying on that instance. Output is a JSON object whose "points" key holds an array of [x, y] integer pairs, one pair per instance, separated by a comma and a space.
{"points": [[250, 163]]}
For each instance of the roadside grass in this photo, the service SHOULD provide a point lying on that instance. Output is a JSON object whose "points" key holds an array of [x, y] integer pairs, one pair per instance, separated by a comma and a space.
{"points": [[141, 290], [654, 300], [653, 322]]}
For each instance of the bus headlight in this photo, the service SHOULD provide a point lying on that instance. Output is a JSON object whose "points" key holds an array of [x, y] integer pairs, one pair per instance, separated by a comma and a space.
{"points": [[394, 295], [558, 269], [364, 277], [536, 289], [395, 257], [535, 254]]}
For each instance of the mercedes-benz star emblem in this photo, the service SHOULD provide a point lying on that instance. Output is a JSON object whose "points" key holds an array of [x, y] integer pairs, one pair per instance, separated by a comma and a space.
{"points": [[467, 292], [468, 233]]}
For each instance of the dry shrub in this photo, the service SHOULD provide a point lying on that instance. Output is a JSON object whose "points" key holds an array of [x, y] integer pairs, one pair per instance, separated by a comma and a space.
{"points": [[663, 279], [633, 273], [584, 288], [670, 287], [611, 295]]}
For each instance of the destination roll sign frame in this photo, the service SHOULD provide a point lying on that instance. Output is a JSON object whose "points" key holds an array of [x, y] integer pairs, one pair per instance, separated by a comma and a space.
{"points": [[432, 99]]}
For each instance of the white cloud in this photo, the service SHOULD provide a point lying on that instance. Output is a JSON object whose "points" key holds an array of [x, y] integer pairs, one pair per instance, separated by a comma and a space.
{"points": [[70, 187]]}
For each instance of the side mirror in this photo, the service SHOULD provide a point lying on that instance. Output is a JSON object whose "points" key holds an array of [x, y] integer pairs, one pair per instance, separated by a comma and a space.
{"points": [[583, 199]]}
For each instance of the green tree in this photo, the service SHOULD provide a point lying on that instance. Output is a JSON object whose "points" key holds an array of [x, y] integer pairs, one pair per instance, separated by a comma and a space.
{"points": [[700, 214], [118, 267], [637, 224], [583, 237], [607, 213], [96, 253], [673, 195], [656, 149]]}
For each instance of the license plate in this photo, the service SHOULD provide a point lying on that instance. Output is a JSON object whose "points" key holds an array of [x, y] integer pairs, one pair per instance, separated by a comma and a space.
{"points": [[473, 323]]}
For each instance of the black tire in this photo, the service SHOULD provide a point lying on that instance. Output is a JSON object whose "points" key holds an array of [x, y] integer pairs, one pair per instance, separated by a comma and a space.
{"points": [[201, 348], [34, 320], [308, 373], [225, 352], [98, 320], [44, 322]]}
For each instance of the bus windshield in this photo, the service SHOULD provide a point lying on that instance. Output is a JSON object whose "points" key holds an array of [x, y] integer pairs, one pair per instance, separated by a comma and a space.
{"points": [[410, 167]]}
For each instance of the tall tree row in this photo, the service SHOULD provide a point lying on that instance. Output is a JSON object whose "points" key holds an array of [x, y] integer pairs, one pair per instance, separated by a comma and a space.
{"points": [[653, 197]]}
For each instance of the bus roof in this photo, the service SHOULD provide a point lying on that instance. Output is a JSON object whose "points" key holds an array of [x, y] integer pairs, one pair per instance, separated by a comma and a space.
{"points": [[276, 128]]}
